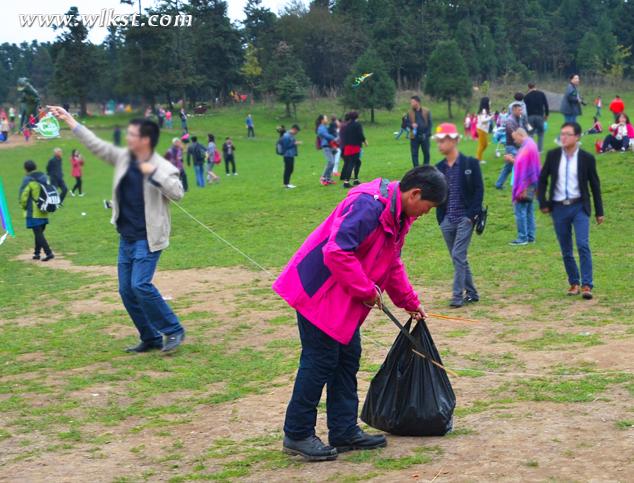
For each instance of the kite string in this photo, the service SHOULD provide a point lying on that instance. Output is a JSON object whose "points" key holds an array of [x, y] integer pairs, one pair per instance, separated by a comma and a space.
{"points": [[379, 344], [226, 242]]}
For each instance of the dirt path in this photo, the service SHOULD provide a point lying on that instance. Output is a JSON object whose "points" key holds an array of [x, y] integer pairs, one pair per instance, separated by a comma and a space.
{"points": [[504, 431]]}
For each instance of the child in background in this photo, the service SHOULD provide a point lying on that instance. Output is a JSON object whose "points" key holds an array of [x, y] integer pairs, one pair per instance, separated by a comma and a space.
{"points": [[36, 219], [467, 126], [596, 127], [26, 131], [168, 120], [116, 136], [227, 153], [77, 163]]}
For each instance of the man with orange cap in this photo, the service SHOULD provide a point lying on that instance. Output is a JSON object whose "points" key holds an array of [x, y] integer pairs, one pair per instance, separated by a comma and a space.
{"points": [[457, 215]]}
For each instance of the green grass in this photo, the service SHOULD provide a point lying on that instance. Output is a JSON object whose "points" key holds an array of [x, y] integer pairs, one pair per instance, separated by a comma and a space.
{"points": [[54, 360]]}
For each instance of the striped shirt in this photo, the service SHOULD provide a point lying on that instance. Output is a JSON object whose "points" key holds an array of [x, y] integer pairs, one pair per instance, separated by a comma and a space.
{"points": [[455, 204]]}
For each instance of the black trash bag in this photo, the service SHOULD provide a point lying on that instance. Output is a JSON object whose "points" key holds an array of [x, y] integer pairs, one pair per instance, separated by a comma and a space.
{"points": [[410, 396]]}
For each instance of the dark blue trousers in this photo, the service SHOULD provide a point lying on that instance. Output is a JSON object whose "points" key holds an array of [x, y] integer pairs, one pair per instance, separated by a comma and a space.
{"points": [[324, 362], [565, 218]]}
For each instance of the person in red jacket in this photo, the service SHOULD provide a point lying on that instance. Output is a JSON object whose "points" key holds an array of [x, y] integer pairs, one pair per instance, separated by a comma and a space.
{"points": [[617, 106], [77, 163]]}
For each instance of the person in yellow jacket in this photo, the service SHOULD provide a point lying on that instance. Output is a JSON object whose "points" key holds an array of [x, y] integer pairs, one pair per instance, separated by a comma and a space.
{"points": [[36, 219]]}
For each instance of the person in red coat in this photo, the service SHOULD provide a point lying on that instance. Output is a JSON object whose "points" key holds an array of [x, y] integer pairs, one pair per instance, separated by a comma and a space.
{"points": [[77, 163], [617, 106]]}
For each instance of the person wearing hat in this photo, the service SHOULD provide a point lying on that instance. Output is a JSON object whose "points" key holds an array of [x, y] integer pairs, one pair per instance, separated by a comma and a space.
{"points": [[288, 145], [457, 214]]}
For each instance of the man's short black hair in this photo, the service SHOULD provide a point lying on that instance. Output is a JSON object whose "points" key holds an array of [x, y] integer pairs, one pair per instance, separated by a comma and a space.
{"points": [[147, 129], [296, 127], [572, 76], [576, 127], [431, 182], [194, 139], [29, 166], [416, 98], [531, 85]]}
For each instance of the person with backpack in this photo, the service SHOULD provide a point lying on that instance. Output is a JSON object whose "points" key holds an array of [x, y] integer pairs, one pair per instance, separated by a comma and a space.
{"points": [[144, 185], [77, 165], [287, 148], [333, 281], [326, 143], [198, 153], [228, 149], [55, 174], [33, 195], [213, 158]]}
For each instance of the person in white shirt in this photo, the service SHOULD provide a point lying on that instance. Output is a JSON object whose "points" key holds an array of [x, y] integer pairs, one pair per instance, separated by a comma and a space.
{"points": [[483, 125], [568, 177]]}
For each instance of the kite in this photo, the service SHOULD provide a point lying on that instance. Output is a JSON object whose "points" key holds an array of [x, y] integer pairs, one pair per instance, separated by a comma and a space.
{"points": [[48, 126], [5, 217], [359, 80]]}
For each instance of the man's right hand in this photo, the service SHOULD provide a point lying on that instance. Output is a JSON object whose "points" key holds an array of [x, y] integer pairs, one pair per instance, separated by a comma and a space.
{"points": [[63, 114], [375, 301]]}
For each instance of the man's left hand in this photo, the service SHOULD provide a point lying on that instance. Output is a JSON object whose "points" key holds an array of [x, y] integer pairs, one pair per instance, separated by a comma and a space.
{"points": [[419, 313], [600, 219], [147, 168]]}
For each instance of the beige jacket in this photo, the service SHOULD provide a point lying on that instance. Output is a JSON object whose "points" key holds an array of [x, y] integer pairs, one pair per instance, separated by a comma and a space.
{"points": [[162, 186]]}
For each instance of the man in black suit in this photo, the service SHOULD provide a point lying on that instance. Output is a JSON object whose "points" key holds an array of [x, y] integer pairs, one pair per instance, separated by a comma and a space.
{"points": [[573, 174]]}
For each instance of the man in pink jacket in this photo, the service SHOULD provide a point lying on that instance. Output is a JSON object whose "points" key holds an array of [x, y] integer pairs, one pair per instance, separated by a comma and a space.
{"points": [[332, 282]]}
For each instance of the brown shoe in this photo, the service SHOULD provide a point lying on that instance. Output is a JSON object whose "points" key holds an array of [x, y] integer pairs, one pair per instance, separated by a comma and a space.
{"points": [[574, 290], [586, 292]]}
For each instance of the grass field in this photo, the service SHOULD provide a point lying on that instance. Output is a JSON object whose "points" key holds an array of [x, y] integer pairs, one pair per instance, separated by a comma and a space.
{"points": [[546, 386]]}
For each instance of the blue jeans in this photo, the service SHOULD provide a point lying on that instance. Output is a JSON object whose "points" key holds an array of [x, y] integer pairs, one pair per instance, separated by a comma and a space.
{"points": [[199, 169], [402, 130], [570, 118], [525, 218], [507, 169], [324, 362], [147, 309], [564, 219]]}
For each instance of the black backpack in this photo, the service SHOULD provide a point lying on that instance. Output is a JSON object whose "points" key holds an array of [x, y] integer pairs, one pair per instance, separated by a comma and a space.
{"points": [[49, 199]]}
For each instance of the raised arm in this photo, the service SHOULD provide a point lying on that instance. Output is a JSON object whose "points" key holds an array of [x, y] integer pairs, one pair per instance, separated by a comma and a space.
{"points": [[100, 148]]}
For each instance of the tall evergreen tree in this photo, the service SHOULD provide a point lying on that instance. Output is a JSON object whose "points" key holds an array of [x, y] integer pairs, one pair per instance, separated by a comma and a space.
{"points": [[447, 77]]}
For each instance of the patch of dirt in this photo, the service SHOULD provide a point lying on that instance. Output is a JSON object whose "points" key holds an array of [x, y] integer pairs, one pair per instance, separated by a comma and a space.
{"points": [[522, 441]]}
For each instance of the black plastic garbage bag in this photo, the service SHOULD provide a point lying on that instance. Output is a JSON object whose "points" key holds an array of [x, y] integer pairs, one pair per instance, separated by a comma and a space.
{"points": [[410, 396]]}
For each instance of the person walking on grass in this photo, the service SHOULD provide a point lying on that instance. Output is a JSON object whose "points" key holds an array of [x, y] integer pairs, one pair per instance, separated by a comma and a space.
{"points": [[197, 153], [333, 129], [457, 215], [571, 102], [325, 142], [250, 126], [213, 156], [483, 125], [77, 166], [537, 112], [36, 219], [421, 128], [352, 139], [513, 122], [525, 178], [333, 280], [175, 156], [404, 127], [565, 182], [598, 103], [55, 174], [287, 148], [144, 184], [228, 153]]}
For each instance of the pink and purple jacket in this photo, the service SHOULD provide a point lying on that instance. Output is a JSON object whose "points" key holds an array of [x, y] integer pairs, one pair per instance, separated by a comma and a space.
{"points": [[357, 247]]}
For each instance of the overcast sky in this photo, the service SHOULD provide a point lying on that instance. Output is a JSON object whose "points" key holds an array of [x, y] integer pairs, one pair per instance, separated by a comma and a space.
{"points": [[10, 31]]}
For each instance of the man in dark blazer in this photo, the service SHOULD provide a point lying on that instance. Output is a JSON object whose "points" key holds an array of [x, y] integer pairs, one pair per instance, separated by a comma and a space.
{"points": [[565, 182], [457, 215]]}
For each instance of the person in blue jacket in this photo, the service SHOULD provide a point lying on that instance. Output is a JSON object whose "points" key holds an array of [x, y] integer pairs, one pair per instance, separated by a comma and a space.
{"points": [[326, 141], [289, 145]]}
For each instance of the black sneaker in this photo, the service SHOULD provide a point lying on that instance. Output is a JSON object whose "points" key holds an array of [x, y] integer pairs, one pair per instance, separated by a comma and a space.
{"points": [[173, 341], [48, 257], [311, 449], [360, 440], [356, 182], [145, 347], [470, 299], [456, 305], [36, 257], [347, 185]]}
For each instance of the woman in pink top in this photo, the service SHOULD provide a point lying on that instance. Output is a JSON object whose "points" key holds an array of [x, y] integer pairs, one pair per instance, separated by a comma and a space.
{"points": [[77, 163]]}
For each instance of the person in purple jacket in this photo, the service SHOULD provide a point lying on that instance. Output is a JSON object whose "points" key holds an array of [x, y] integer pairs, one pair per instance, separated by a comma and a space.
{"points": [[333, 281]]}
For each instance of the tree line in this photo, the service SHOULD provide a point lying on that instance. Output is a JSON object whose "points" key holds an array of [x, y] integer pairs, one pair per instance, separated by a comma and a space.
{"points": [[325, 45]]}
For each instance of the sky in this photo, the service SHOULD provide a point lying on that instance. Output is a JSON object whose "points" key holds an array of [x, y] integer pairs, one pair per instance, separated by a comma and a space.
{"points": [[10, 30]]}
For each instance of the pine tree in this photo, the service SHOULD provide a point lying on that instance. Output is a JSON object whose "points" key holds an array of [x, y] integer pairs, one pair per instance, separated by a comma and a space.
{"points": [[376, 91], [447, 77], [285, 77]]}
